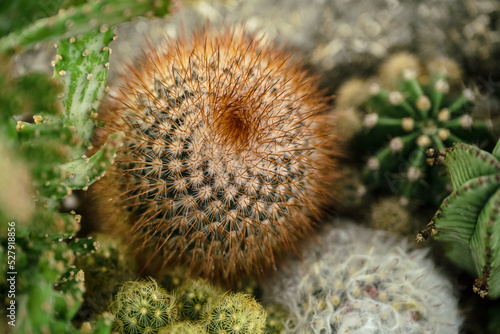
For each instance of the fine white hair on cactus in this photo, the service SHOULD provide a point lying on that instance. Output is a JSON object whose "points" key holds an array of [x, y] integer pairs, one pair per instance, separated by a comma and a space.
{"points": [[360, 280]]}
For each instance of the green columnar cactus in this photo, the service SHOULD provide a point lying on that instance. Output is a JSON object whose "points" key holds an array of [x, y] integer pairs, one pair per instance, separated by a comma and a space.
{"points": [[416, 112], [468, 220], [82, 64], [183, 327], [142, 307], [193, 296], [235, 313], [226, 162]]}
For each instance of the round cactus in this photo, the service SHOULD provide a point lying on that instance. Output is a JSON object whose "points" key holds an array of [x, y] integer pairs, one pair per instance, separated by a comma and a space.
{"points": [[183, 327], [194, 295], [235, 313], [105, 269], [359, 280], [408, 111], [468, 220], [276, 317], [142, 307], [226, 158]]}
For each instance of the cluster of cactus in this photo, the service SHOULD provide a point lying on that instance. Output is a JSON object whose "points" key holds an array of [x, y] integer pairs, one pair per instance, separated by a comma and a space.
{"points": [[226, 160], [407, 111], [363, 281], [46, 158], [468, 220], [196, 307]]}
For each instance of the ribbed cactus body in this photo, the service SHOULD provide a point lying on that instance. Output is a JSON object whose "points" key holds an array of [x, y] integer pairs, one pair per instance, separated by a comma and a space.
{"points": [[225, 156]]}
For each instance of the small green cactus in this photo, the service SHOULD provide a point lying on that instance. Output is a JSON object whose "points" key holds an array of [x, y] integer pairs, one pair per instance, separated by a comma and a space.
{"points": [[235, 313], [415, 113], [226, 162], [468, 220], [183, 327], [354, 279], [142, 307], [193, 297]]}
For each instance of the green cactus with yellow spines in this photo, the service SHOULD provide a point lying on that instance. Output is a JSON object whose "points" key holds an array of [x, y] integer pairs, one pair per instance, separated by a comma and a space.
{"points": [[142, 307]]}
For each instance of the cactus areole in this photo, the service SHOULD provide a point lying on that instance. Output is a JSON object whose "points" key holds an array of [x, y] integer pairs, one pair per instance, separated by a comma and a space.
{"points": [[226, 158]]}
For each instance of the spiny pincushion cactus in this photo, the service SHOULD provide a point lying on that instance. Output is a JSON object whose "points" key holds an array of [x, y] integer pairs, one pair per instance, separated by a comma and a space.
{"points": [[235, 313], [225, 157], [408, 112], [142, 307], [183, 327], [364, 281], [468, 221], [193, 296]]}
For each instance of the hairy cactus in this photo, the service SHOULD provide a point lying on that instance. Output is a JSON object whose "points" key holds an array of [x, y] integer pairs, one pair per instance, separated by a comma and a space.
{"points": [[408, 112], [236, 313], [226, 157], [363, 281], [467, 221], [142, 307]]}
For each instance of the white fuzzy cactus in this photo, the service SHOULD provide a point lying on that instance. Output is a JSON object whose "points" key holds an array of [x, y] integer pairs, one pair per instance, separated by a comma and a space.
{"points": [[360, 280]]}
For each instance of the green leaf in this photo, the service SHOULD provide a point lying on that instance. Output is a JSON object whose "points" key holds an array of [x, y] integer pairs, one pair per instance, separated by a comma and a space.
{"points": [[466, 162]]}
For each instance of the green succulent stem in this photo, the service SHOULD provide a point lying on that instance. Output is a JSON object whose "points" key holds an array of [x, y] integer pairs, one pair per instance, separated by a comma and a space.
{"points": [[71, 22]]}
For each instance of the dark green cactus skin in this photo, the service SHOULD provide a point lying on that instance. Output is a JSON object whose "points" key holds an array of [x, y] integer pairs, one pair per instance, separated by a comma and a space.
{"points": [[401, 125], [468, 221]]}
